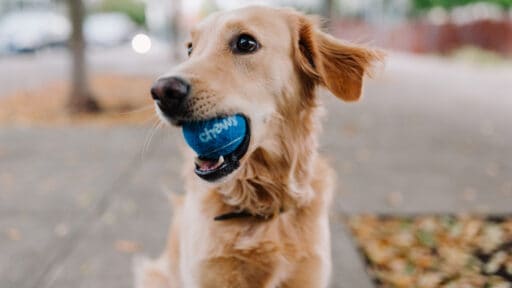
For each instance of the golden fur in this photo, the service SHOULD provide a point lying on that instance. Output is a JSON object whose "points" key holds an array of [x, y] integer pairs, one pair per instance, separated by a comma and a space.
{"points": [[281, 178]]}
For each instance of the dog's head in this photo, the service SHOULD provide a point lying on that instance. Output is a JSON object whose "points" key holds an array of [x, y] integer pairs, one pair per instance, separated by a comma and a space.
{"points": [[263, 63]]}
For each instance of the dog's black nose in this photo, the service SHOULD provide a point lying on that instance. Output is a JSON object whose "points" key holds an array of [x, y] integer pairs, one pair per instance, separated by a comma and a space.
{"points": [[170, 92]]}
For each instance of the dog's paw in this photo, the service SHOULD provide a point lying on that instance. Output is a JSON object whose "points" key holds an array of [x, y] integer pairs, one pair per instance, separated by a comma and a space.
{"points": [[151, 273]]}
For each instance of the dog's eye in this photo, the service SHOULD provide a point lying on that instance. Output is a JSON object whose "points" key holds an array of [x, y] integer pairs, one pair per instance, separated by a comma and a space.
{"points": [[245, 44], [189, 49]]}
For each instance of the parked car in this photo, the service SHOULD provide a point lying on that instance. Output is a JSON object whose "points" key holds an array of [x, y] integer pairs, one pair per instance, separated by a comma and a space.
{"points": [[28, 31], [108, 29]]}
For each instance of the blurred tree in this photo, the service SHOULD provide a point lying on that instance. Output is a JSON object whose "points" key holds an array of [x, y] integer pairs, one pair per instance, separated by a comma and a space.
{"points": [[134, 9], [208, 7], [175, 29], [81, 98], [328, 9], [449, 4]]}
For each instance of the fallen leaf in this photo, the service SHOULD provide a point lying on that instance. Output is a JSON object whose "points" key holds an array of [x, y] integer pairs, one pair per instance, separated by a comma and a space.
{"points": [[127, 246]]}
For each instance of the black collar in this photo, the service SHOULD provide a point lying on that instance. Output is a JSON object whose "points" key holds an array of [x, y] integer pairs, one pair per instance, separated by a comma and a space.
{"points": [[243, 214], [233, 215]]}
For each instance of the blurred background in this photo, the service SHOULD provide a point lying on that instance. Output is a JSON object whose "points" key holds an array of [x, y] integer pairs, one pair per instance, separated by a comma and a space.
{"points": [[85, 166], [78, 43]]}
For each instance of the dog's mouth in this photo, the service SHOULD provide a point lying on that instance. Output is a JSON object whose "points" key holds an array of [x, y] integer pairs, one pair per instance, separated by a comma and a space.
{"points": [[212, 169]]}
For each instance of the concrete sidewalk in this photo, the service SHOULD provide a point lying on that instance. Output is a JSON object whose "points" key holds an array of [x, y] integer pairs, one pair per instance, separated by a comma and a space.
{"points": [[77, 203], [73, 217]]}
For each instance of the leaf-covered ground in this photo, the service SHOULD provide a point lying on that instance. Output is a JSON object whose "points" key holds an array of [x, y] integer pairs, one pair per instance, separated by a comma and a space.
{"points": [[123, 99], [436, 251]]}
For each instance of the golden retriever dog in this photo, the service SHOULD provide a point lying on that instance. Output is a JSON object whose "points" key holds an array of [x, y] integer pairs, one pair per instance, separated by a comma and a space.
{"points": [[260, 217]]}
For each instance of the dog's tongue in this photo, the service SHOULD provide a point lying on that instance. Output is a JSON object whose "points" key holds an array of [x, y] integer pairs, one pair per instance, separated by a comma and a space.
{"points": [[208, 164]]}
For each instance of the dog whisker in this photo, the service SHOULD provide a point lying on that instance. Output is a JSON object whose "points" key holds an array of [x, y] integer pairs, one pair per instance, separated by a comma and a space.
{"points": [[138, 110], [157, 124]]}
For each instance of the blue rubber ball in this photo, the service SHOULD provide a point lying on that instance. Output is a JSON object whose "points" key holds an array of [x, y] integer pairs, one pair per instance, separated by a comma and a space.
{"points": [[215, 137]]}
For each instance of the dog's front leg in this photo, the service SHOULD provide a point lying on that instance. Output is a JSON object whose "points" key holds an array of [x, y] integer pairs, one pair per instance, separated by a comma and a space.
{"points": [[230, 272], [312, 272], [152, 273]]}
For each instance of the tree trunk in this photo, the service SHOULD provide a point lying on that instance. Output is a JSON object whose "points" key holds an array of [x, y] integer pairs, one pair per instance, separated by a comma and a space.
{"points": [[327, 9], [175, 27], [81, 99], [328, 12]]}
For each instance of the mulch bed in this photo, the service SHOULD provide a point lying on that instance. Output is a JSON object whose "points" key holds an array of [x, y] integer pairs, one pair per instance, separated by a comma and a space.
{"points": [[436, 251], [123, 100]]}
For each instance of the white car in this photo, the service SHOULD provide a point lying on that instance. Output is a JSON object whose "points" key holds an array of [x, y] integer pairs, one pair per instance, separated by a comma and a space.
{"points": [[27, 31], [108, 29]]}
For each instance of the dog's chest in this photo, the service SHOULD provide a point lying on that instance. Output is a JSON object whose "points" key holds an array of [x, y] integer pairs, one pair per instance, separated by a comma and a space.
{"points": [[193, 242], [205, 244], [201, 238]]}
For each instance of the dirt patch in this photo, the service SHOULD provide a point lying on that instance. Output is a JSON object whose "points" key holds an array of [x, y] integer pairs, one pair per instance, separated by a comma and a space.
{"points": [[123, 99], [436, 251]]}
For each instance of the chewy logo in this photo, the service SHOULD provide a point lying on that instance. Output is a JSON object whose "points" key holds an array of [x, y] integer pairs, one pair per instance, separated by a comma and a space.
{"points": [[217, 128]]}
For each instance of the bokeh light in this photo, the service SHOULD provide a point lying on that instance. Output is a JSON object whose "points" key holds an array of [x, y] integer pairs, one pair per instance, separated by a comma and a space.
{"points": [[141, 43]]}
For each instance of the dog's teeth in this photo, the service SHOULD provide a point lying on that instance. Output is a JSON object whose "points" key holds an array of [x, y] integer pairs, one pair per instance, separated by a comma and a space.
{"points": [[219, 162], [208, 165]]}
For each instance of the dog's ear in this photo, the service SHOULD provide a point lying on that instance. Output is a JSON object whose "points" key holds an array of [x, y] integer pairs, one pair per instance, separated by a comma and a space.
{"points": [[338, 66]]}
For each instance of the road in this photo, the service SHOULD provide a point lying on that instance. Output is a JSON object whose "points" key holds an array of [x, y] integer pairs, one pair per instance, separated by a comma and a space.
{"points": [[32, 70]]}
